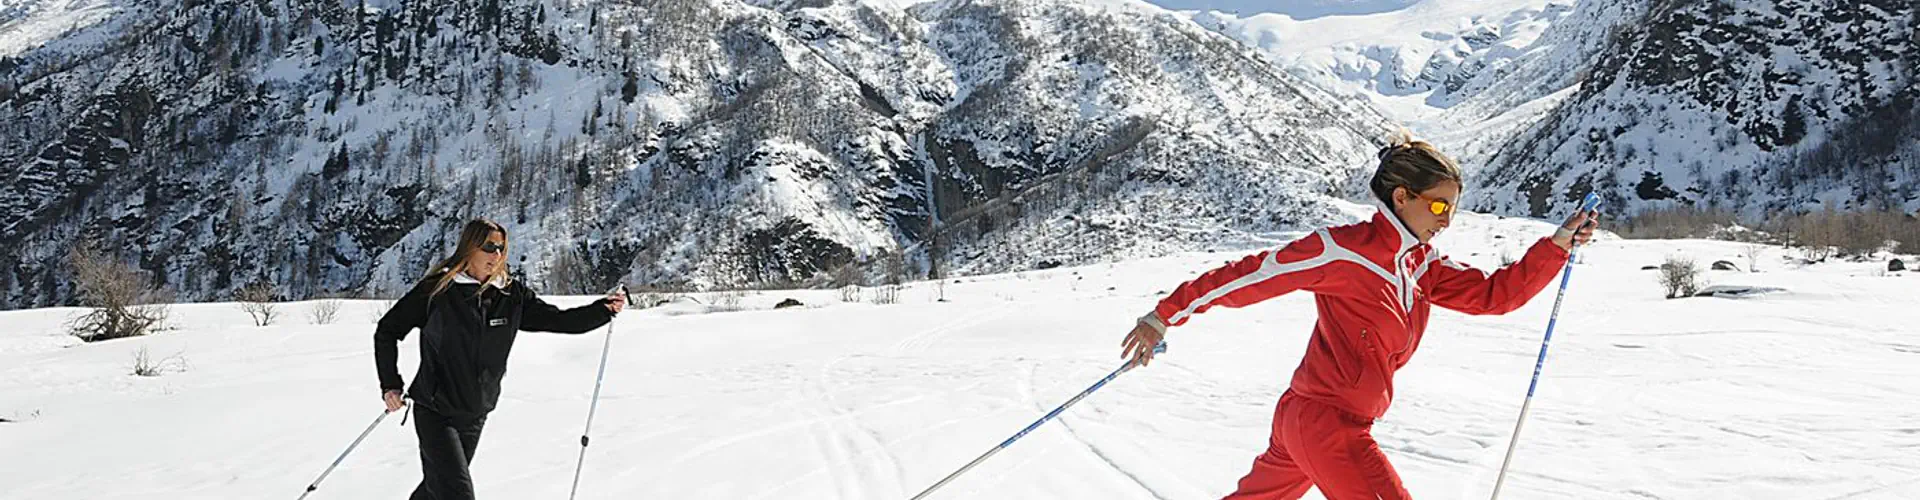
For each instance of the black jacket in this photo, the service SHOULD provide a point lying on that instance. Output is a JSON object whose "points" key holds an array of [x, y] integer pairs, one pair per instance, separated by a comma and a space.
{"points": [[465, 334]]}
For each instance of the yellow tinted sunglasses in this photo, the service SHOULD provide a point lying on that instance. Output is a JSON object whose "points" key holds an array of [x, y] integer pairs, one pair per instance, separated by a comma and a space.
{"points": [[1437, 206]]}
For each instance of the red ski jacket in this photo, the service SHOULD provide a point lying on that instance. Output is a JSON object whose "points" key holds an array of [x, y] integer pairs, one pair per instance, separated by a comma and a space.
{"points": [[1373, 284]]}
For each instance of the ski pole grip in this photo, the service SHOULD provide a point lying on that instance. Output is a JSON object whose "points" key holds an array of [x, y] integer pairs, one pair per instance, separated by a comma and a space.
{"points": [[1591, 202]]}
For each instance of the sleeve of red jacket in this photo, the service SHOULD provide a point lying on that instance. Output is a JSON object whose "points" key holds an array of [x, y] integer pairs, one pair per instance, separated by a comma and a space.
{"points": [[1300, 265], [1462, 288]]}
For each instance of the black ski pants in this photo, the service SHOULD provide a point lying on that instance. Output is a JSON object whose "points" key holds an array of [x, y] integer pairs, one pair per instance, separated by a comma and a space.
{"points": [[446, 447]]}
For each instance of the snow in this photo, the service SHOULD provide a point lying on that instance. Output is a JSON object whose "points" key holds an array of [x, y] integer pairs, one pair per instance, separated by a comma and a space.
{"points": [[1805, 392]]}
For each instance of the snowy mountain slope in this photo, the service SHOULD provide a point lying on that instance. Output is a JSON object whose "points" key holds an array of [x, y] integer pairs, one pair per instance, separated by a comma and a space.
{"points": [[1438, 52], [1800, 394], [1753, 106], [30, 24], [330, 149], [1465, 75]]}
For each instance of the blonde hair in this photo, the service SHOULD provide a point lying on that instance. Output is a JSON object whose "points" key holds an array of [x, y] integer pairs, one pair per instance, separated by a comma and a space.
{"points": [[1411, 164], [471, 238]]}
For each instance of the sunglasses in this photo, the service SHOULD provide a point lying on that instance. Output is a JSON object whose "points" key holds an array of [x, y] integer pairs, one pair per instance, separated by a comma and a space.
{"points": [[1436, 206], [493, 248]]}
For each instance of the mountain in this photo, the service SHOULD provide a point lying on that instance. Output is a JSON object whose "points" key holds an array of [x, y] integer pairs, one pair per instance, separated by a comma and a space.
{"points": [[1463, 74], [1756, 107], [324, 147]]}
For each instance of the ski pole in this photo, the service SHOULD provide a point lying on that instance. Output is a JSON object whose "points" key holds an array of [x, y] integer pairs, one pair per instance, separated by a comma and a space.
{"points": [[606, 346], [1586, 205], [1157, 348], [343, 455]]}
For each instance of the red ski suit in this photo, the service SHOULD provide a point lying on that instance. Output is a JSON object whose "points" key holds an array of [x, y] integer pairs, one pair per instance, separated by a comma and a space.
{"points": [[1373, 284]]}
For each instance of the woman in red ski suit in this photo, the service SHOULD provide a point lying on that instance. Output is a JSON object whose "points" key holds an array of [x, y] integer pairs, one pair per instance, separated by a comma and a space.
{"points": [[1373, 285]]}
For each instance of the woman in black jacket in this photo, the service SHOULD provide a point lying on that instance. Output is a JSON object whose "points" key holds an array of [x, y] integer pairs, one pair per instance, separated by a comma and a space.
{"points": [[468, 312]]}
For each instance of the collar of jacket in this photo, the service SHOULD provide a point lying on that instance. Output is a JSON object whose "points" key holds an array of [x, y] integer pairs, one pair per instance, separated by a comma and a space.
{"points": [[1391, 228], [497, 281]]}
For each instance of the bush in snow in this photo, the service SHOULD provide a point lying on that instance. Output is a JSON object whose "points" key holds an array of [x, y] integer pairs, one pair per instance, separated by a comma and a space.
{"points": [[146, 366], [729, 300], [257, 300], [378, 310], [886, 294], [325, 311], [645, 300], [1680, 277], [122, 303]]}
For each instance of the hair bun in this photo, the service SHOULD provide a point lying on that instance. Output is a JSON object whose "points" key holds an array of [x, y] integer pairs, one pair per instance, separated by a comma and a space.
{"points": [[1399, 138], [1387, 151]]}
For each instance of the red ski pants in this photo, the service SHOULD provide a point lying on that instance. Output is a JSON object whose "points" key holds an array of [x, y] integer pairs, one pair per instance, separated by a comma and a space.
{"points": [[1316, 445]]}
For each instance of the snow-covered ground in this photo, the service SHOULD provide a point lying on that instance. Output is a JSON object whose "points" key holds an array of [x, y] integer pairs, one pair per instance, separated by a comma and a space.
{"points": [[1802, 394]]}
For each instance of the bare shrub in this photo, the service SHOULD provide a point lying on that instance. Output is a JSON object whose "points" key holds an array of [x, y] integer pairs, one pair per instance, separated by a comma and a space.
{"points": [[1751, 252], [257, 300], [886, 294], [145, 365], [646, 300], [379, 309], [1681, 277], [122, 302], [730, 299], [325, 311]]}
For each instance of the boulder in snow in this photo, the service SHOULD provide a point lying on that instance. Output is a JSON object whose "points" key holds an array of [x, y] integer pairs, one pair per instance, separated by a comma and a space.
{"points": [[1737, 291]]}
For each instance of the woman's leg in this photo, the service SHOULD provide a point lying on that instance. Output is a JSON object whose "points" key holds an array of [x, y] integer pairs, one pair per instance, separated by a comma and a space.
{"points": [[443, 456], [1275, 475], [470, 435], [1337, 450]]}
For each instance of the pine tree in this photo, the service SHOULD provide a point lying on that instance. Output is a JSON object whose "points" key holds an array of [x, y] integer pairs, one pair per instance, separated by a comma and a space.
{"points": [[583, 172], [339, 88], [336, 164], [630, 89]]}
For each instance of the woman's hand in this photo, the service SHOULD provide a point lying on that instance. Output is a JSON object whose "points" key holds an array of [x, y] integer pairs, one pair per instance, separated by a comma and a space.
{"points": [[617, 301], [1578, 230], [394, 401], [1139, 343]]}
